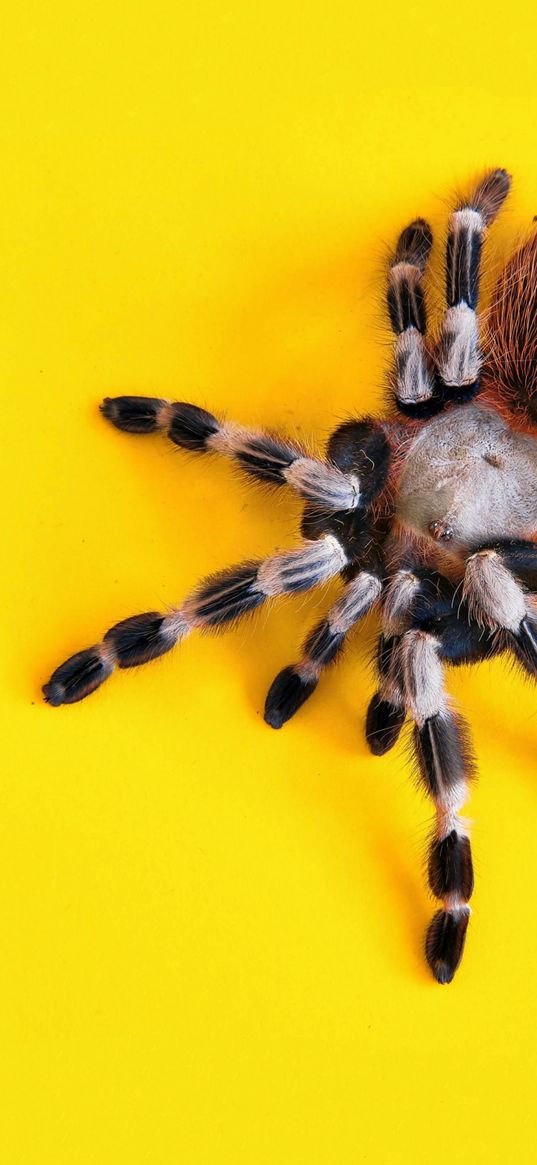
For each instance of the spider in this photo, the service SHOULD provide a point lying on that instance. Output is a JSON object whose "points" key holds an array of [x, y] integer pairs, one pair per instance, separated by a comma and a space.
{"points": [[431, 514]]}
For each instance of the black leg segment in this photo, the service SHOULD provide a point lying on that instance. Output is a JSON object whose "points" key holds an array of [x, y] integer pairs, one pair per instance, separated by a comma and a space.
{"points": [[77, 678], [133, 414]]}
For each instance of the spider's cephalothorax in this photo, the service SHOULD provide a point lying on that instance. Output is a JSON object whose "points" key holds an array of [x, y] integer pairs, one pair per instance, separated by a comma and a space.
{"points": [[431, 514]]}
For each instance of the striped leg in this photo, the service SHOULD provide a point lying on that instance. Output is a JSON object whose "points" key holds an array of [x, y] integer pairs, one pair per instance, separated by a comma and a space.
{"points": [[495, 582], [418, 600], [386, 712], [266, 457], [413, 383], [445, 765], [443, 632], [459, 355], [296, 683], [220, 599]]}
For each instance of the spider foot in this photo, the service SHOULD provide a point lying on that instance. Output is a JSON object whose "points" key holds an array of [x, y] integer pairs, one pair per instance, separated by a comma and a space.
{"points": [[383, 725], [77, 678], [133, 414], [186, 425], [287, 693], [136, 640], [444, 942]]}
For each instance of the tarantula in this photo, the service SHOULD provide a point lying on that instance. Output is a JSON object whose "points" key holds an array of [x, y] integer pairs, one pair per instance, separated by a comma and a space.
{"points": [[432, 514]]}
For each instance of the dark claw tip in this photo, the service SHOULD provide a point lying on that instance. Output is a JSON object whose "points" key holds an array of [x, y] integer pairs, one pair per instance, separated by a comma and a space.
{"points": [[444, 942], [287, 693], [133, 414], [53, 694], [76, 678]]}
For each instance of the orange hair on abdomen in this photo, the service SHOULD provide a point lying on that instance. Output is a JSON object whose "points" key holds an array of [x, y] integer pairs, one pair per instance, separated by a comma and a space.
{"points": [[510, 369]]}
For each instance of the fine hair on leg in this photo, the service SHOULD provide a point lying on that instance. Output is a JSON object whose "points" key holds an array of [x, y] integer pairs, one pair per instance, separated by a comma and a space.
{"points": [[497, 599], [445, 765], [220, 599], [413, 384], [324, 644], [428, 511], [266, 457], [459, 357]]}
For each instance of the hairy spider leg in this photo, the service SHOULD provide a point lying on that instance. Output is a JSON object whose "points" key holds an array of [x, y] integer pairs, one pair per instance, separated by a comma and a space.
{"points": [[413, 383], [426, 621], [267, 457], [417, 599], [222, 598], [500, 583], [323, 645], [386, 711], [362, 445], [445, 764], [459, 356], [411, 664]]}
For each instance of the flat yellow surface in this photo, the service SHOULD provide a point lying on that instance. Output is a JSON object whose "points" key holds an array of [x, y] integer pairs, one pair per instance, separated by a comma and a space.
{"points": [[210, 933]]}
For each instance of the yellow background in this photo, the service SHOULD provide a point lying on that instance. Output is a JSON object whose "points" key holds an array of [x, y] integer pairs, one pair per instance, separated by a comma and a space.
{"points": [[210, 933]]}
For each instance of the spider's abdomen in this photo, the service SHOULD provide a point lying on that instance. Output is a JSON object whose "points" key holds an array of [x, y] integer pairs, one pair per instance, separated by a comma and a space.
{"points": [[467, 479]]}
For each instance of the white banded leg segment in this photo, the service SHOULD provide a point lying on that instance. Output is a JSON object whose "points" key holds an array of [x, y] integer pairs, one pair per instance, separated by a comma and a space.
{"points": [[386, 712], [326, 640], [423, 675], [324, 485], [279, 461], [451, 879], [459, 356], [220, 599], [267, 457], [233, 592], [442, 745], [463, 256], [498, 601], [406, 302], [445, 764], [398, 601], [262, 455], [495, 598], [466, 230], [360, 595], [413, 378], [295, 683], [299, 570], [450, 868]]}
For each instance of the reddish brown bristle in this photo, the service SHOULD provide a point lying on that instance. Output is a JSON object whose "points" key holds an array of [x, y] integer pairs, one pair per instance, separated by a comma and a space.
{"points": [[511, 366]]}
